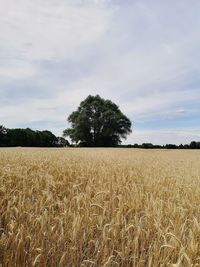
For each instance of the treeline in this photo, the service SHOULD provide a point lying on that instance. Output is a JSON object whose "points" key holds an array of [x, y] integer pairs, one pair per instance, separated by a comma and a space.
{"points": [[192, 145], [30, 138]]}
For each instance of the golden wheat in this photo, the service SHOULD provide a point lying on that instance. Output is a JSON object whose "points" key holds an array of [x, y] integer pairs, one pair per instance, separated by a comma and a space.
{"points": [[99, 207]]}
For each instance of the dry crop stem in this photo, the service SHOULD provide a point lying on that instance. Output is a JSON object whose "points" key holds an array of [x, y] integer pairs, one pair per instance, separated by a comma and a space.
{"points": [[99, 207]]}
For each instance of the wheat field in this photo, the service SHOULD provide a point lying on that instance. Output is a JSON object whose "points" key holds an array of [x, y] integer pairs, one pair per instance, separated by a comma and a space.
{"points": [[99, 207]]}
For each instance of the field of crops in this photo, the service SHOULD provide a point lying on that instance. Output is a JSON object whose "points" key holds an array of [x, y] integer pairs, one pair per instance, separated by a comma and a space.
{"points": [[99, 207]]}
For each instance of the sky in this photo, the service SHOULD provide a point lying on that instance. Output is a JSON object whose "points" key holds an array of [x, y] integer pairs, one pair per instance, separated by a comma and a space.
{"points": [[144, 55]]}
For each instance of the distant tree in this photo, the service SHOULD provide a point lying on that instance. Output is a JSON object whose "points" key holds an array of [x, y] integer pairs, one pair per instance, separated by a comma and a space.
{"points": [[198, 145], [98, 122], [181, 146], [3, 130], [194, 145], [171, 146], [47, 139], [62, 142], [16, 137], [129, 146], [147, 145], [136, 146], [3, 136], [28, 138]]}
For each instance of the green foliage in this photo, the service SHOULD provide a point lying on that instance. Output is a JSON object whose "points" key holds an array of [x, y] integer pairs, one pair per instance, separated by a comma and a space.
{"points": [[97, 122], [147, 145], [3, 135], [195, 145], [171, 146], [30, 138], [62, 142]]}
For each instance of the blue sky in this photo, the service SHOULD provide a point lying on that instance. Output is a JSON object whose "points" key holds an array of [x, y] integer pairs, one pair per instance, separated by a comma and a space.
{"points": [[142, 54]]}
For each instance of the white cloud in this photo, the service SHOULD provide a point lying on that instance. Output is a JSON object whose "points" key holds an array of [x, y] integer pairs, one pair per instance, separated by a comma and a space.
{"points": [[161, 103], [161, 137], [143, 55], [41, 30], [16, 70]]}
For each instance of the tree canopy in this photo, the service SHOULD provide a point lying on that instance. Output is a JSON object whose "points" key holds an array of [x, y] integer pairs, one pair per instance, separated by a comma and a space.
{"points": [[97, 122], [29, 138]]}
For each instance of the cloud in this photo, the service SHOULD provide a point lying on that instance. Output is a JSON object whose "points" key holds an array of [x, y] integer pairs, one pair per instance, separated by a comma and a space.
{"points": [[41, 30], [144, 55], [16, 70], [161, 137]]}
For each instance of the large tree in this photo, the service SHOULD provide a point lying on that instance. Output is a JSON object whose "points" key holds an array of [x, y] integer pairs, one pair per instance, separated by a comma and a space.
{"points": [[97, 122]]}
